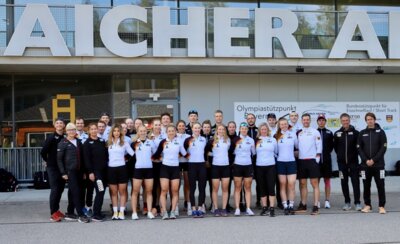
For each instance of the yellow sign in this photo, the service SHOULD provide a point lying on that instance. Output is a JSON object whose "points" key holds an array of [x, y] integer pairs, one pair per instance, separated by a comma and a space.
{"points": [[70, 109]]}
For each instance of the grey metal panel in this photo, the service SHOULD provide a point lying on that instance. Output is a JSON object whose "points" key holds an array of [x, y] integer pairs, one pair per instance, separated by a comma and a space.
{"points": [[277, 87], [317, 88], [200, 92]]}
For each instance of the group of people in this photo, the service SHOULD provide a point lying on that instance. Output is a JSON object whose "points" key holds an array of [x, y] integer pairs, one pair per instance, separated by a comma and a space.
{"points": [[275, 154]]}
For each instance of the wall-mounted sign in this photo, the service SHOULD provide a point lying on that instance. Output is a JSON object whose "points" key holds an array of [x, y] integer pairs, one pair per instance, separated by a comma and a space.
{"points": [[387, 114], [194, 31]]}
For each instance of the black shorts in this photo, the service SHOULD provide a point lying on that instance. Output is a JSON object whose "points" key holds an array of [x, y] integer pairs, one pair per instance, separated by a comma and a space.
{"points": [[130, 169], [183, 167], [286, 168], [266, 178], [117, 175], [143, 174], [170, 172], [308, 169], [220, 172], [245, 171], [326, 169]]}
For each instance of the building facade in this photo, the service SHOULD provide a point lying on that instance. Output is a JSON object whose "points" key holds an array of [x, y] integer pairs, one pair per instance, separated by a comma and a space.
{"points": [[142, 58]]}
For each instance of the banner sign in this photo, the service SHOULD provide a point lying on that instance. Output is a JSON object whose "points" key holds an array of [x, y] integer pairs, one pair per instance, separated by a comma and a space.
{"points": [[387, 114]]}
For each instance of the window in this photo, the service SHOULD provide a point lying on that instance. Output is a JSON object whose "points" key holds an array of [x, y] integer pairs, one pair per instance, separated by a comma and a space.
{"points": [[37, 98], [5, 111], [316, 29]]}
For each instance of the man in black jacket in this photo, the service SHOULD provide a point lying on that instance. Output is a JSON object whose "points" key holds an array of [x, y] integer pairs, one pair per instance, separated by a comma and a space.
{"points": [[95, 155], [49, 155], [70, 164], [345, 144], [326, 159], [372, 144]]}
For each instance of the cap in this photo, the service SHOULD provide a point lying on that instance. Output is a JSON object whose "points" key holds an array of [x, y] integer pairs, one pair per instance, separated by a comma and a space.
{"points": [[271, 116], [321, 116], [193, 111]]}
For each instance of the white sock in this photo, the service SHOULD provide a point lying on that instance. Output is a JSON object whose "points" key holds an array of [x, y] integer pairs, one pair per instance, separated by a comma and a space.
{"points": [[291, 204], [189, 205], [122, 209], [285, 204], [115, 209]]}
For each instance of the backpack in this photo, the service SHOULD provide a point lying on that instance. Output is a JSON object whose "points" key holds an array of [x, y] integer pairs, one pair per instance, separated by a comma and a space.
{"points": [[397, 167], [8, 182]]}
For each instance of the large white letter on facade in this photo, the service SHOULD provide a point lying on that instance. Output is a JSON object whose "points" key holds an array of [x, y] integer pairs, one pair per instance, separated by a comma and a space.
{"points": [[370, 42], [84, 30], [265, 32], [51, 38], [224, 32], [394, 35], [194, 32], [109, 31]]}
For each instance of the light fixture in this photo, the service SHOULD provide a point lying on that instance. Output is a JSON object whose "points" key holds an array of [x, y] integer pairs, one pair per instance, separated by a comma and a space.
{"points": [[379, 70], [299, 69]]}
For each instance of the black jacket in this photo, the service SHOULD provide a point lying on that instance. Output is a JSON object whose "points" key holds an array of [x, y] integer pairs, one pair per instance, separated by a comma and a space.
{"points": [[372, 144], [345, 144], [69, 156], [188, 129], [327, 145], [253, 131], [49, 149], [95, 154]]}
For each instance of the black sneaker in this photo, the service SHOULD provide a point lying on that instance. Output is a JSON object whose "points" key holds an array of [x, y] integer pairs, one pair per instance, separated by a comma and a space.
{"points": [[98, 219], [71, 217], [271, 212], [242, 207], [291, 211], [264, 211], [229, 208], [286, 211], [280, 206], [112, 210], [302, 208], [83, 219], [315, 210]]}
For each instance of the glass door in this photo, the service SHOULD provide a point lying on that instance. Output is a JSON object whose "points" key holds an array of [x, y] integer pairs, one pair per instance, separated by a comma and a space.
{"points": [[149, 109]]}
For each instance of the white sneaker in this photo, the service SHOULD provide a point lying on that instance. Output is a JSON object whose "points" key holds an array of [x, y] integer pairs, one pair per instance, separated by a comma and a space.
{"points": [[358, 207], [176, 211], [327, 204], [150, 215], [249, 212], [189, 212], [121, 215], [135, 216], [237, 212], [115, 216]]}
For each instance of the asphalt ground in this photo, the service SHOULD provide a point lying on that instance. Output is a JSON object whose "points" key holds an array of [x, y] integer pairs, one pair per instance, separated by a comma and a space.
{"points": [[24, 218]]}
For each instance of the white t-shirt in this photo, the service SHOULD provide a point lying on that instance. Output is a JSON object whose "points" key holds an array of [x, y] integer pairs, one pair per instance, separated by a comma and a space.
{"points": [[116, 154], [286, 145]]}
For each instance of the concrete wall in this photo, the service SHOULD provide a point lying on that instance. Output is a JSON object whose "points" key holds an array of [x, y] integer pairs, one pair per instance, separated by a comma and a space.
{"points": [[208, 92]]}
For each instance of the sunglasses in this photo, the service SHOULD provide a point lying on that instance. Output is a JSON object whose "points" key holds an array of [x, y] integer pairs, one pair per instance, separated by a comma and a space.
{"points": [[244, 124]]}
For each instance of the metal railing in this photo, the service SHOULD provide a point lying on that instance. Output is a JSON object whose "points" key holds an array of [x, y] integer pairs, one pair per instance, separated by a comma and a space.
{"points": [[22, 162], [317, 29]]}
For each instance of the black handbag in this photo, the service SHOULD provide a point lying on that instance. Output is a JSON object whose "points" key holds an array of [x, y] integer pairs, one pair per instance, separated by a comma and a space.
{"points": [[41, 180]]}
